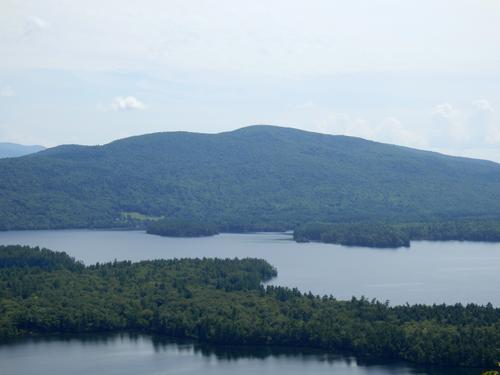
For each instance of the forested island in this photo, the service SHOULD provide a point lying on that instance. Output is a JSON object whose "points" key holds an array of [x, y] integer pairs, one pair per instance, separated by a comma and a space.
{"points": [[181, 228], [393, 235], [224, 301]]}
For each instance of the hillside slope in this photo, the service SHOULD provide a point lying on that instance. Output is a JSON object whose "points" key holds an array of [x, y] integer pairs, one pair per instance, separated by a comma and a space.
{"points": [[13, 150], [258, 177]]}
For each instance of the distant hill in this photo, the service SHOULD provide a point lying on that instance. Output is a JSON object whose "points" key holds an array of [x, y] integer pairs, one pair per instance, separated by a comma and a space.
{"points": [[12, 150], [254, 178]]}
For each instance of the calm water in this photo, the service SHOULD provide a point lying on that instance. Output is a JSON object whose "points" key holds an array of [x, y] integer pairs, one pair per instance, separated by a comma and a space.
{"points": [[428, 272], [125, 354]]}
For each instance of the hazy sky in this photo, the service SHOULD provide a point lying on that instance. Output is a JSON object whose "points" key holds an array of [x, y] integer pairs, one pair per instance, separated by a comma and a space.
{"points": [[419, 73]]}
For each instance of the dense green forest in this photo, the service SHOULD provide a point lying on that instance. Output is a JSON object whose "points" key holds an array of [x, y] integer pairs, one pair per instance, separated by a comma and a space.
{"points": [[254, 178], [181, 228], [224, 301], [376, 234]]}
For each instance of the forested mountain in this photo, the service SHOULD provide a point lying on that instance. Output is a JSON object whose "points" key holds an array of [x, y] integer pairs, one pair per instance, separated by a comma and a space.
{"points": [[258, 177], [12, 150]]}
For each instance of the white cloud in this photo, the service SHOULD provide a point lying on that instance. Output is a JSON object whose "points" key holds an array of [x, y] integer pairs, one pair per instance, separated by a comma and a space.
{"points": [[389, 130], [483, 105], [465, 129], [447, 126], [445, 110], [485, 122], [35, 24], [127, 103], [448, 129], [7, 91]]}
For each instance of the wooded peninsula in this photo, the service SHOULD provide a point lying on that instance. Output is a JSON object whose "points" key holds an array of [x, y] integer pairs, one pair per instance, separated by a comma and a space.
{"points": [[225, 301], [393, 235]]}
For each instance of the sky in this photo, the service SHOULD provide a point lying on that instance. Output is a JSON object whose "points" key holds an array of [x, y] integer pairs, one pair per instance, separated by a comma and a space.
{"points": [[418, 73]]}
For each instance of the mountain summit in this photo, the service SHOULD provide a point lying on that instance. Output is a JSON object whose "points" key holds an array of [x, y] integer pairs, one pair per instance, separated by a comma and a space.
{"points": [[254, 178]]}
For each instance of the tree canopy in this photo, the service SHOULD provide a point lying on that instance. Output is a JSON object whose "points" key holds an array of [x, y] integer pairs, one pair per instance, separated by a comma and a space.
{"points": [[255, 178], [380, 234]]}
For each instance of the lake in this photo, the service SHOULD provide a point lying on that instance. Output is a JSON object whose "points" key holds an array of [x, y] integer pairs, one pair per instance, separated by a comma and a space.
{"points": [[126, 354], [427, 272]]}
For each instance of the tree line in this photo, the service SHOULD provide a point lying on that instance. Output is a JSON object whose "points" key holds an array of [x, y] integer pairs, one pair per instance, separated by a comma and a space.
{"points": [[181, 228], [380, 234]]}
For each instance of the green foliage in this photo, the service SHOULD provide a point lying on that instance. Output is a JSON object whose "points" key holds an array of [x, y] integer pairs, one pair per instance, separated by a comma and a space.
{"points": [[140, 217], [354, 234], [181, 228], [25, 256], [255, 178], [376, 234], [463, 230], [224, 301]]}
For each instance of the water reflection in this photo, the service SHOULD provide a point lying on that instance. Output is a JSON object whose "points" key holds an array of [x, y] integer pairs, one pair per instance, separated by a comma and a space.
{"points": [[130, 353]]}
